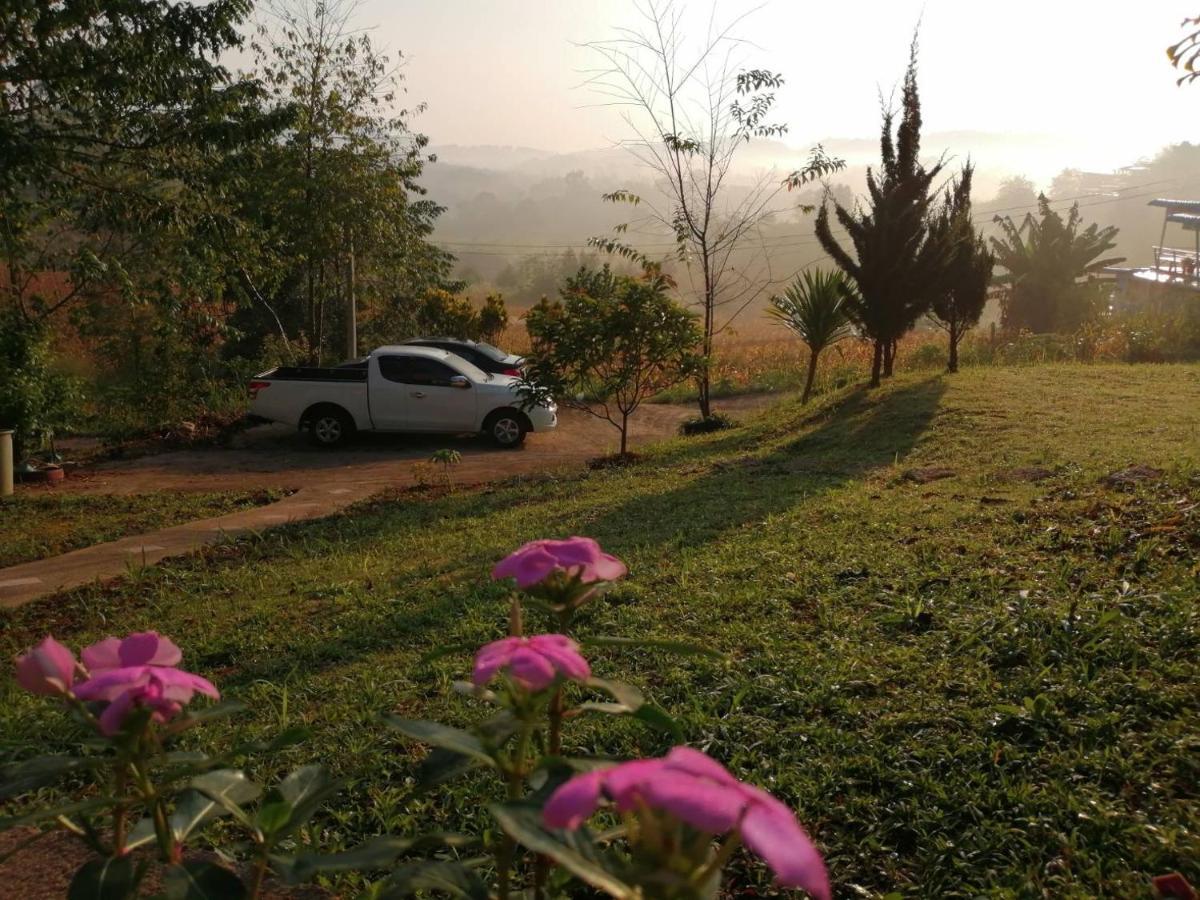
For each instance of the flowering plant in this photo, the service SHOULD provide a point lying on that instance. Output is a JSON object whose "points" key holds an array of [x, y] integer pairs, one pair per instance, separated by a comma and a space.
{"points": [[131, 694], [676, 820]]}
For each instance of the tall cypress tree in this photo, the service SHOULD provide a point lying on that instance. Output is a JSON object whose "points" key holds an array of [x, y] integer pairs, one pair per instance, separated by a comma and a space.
{"points": [[895, 259], [959, 302]]}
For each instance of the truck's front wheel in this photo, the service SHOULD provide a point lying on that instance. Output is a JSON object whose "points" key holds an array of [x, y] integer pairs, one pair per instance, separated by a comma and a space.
{"points": [[329, 426]]}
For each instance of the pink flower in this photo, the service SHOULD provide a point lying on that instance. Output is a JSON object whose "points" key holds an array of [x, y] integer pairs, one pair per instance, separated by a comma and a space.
{"points": [[533, 663], [143, 648], [699, 792], [577, 557], [49, 668], [163, 689]]}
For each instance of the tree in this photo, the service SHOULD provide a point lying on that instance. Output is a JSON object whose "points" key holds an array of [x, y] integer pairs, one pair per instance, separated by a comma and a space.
{"points": [[897, 263], [609, 343], [691, 110], [35, 400], [1185, 54], [1015, 193], [340, 195], [816, 307], [959, 303], [1044, 257]]}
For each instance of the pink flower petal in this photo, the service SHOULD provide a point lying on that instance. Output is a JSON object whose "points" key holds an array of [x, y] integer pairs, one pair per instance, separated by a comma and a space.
{"points": [[114, 714], [149, 648], [770, 830], [563, 653], [706, 806], [105, 654], [47, 669], [685, 759], [492, 657], [573, 801], [530, 669]]}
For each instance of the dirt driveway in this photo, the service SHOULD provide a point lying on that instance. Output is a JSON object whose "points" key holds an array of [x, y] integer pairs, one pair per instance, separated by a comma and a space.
{"points": [[275, 456], [322, 481]]}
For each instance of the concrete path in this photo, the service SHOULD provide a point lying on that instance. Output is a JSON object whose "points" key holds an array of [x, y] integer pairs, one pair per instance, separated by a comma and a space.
{"points": [[324, 483]]}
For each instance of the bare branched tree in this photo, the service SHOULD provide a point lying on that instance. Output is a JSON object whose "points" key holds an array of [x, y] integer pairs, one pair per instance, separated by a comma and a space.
{"points": [[691, 106]]}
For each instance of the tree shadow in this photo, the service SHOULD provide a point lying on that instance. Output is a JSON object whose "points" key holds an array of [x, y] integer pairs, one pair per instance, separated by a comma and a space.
{"points": [[864, 431]]}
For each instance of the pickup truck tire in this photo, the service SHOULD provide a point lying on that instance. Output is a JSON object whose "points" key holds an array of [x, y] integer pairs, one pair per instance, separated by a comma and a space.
{"points": [[327, 425], [507, 427]]}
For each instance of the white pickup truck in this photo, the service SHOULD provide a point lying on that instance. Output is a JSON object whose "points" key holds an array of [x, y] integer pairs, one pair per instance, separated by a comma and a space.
{"points": [[399, 389]]}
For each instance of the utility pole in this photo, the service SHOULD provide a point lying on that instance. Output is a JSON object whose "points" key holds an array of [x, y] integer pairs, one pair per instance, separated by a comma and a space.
{"points": [[351, 311]]}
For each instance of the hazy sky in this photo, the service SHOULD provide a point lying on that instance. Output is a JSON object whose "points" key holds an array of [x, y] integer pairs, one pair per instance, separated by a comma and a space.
{"points": [[1089, 75]]}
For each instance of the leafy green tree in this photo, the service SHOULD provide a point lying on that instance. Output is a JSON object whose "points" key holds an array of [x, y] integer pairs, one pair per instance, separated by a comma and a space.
{"points": [[896, 263], [35, 400], [611, 342], [1044, 259], [340, 194], [493, 318], [963, 295], [816, 306]]}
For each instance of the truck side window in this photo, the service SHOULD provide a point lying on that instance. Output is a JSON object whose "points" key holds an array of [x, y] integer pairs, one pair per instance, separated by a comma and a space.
{"points": [[415, 370]]}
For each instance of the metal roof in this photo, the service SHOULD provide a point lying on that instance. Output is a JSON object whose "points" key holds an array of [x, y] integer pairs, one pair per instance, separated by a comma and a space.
{"points": [[1177, 205], [1190, 221]]}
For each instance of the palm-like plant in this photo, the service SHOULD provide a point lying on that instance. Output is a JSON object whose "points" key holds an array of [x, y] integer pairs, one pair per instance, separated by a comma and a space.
{"points": [[819, 308], [1043, 258]]}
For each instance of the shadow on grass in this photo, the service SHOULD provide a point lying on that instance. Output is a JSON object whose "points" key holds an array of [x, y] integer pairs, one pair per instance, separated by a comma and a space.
{"points": [[863, 431]]}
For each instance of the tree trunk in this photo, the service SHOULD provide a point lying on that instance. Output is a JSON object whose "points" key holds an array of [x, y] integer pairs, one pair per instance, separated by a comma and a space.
{"points": [[955, 337], [703, 390], [812, 374], [876, 363], [889, 357], [624, 431]]}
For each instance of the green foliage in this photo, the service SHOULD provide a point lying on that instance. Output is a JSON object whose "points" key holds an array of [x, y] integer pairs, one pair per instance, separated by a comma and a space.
{"points": [[443, 314], [963, 292], [35, 399], [706, 424], [341, 188], [1044, 257], [816, 307], [610, 343], [896, 262]]}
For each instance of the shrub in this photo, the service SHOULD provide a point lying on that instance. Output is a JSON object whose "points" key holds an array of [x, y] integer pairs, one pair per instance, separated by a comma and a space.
{"points": [[706, 424]]}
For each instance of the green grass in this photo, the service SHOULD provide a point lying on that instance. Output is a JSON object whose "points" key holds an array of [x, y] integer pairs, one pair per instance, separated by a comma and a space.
{"points": [[38, 524], [976, 686]]}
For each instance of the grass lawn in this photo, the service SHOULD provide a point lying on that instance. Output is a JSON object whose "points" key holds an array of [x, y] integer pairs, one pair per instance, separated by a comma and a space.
{"points": [[982, 685], [36, 524]]}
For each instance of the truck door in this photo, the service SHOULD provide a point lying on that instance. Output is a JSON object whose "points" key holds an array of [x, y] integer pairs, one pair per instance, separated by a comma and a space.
{"points": [[415, 393]]}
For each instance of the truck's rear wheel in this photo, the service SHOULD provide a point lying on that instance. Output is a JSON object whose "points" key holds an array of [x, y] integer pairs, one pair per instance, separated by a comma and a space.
{"points": [[507, 428], [329, 426]]}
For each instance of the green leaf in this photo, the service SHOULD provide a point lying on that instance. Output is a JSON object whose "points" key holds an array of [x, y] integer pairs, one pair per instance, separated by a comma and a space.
{"points": [[208, 714], [451, 878], [294, 801], [439, 735], [211, 795], [229, 789], [199, 880], [658, 718], [31, 774], [441, 766], [69, 809], [625, 694], [678, 647], [104, 879], [380, 853], [524, 825]]}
